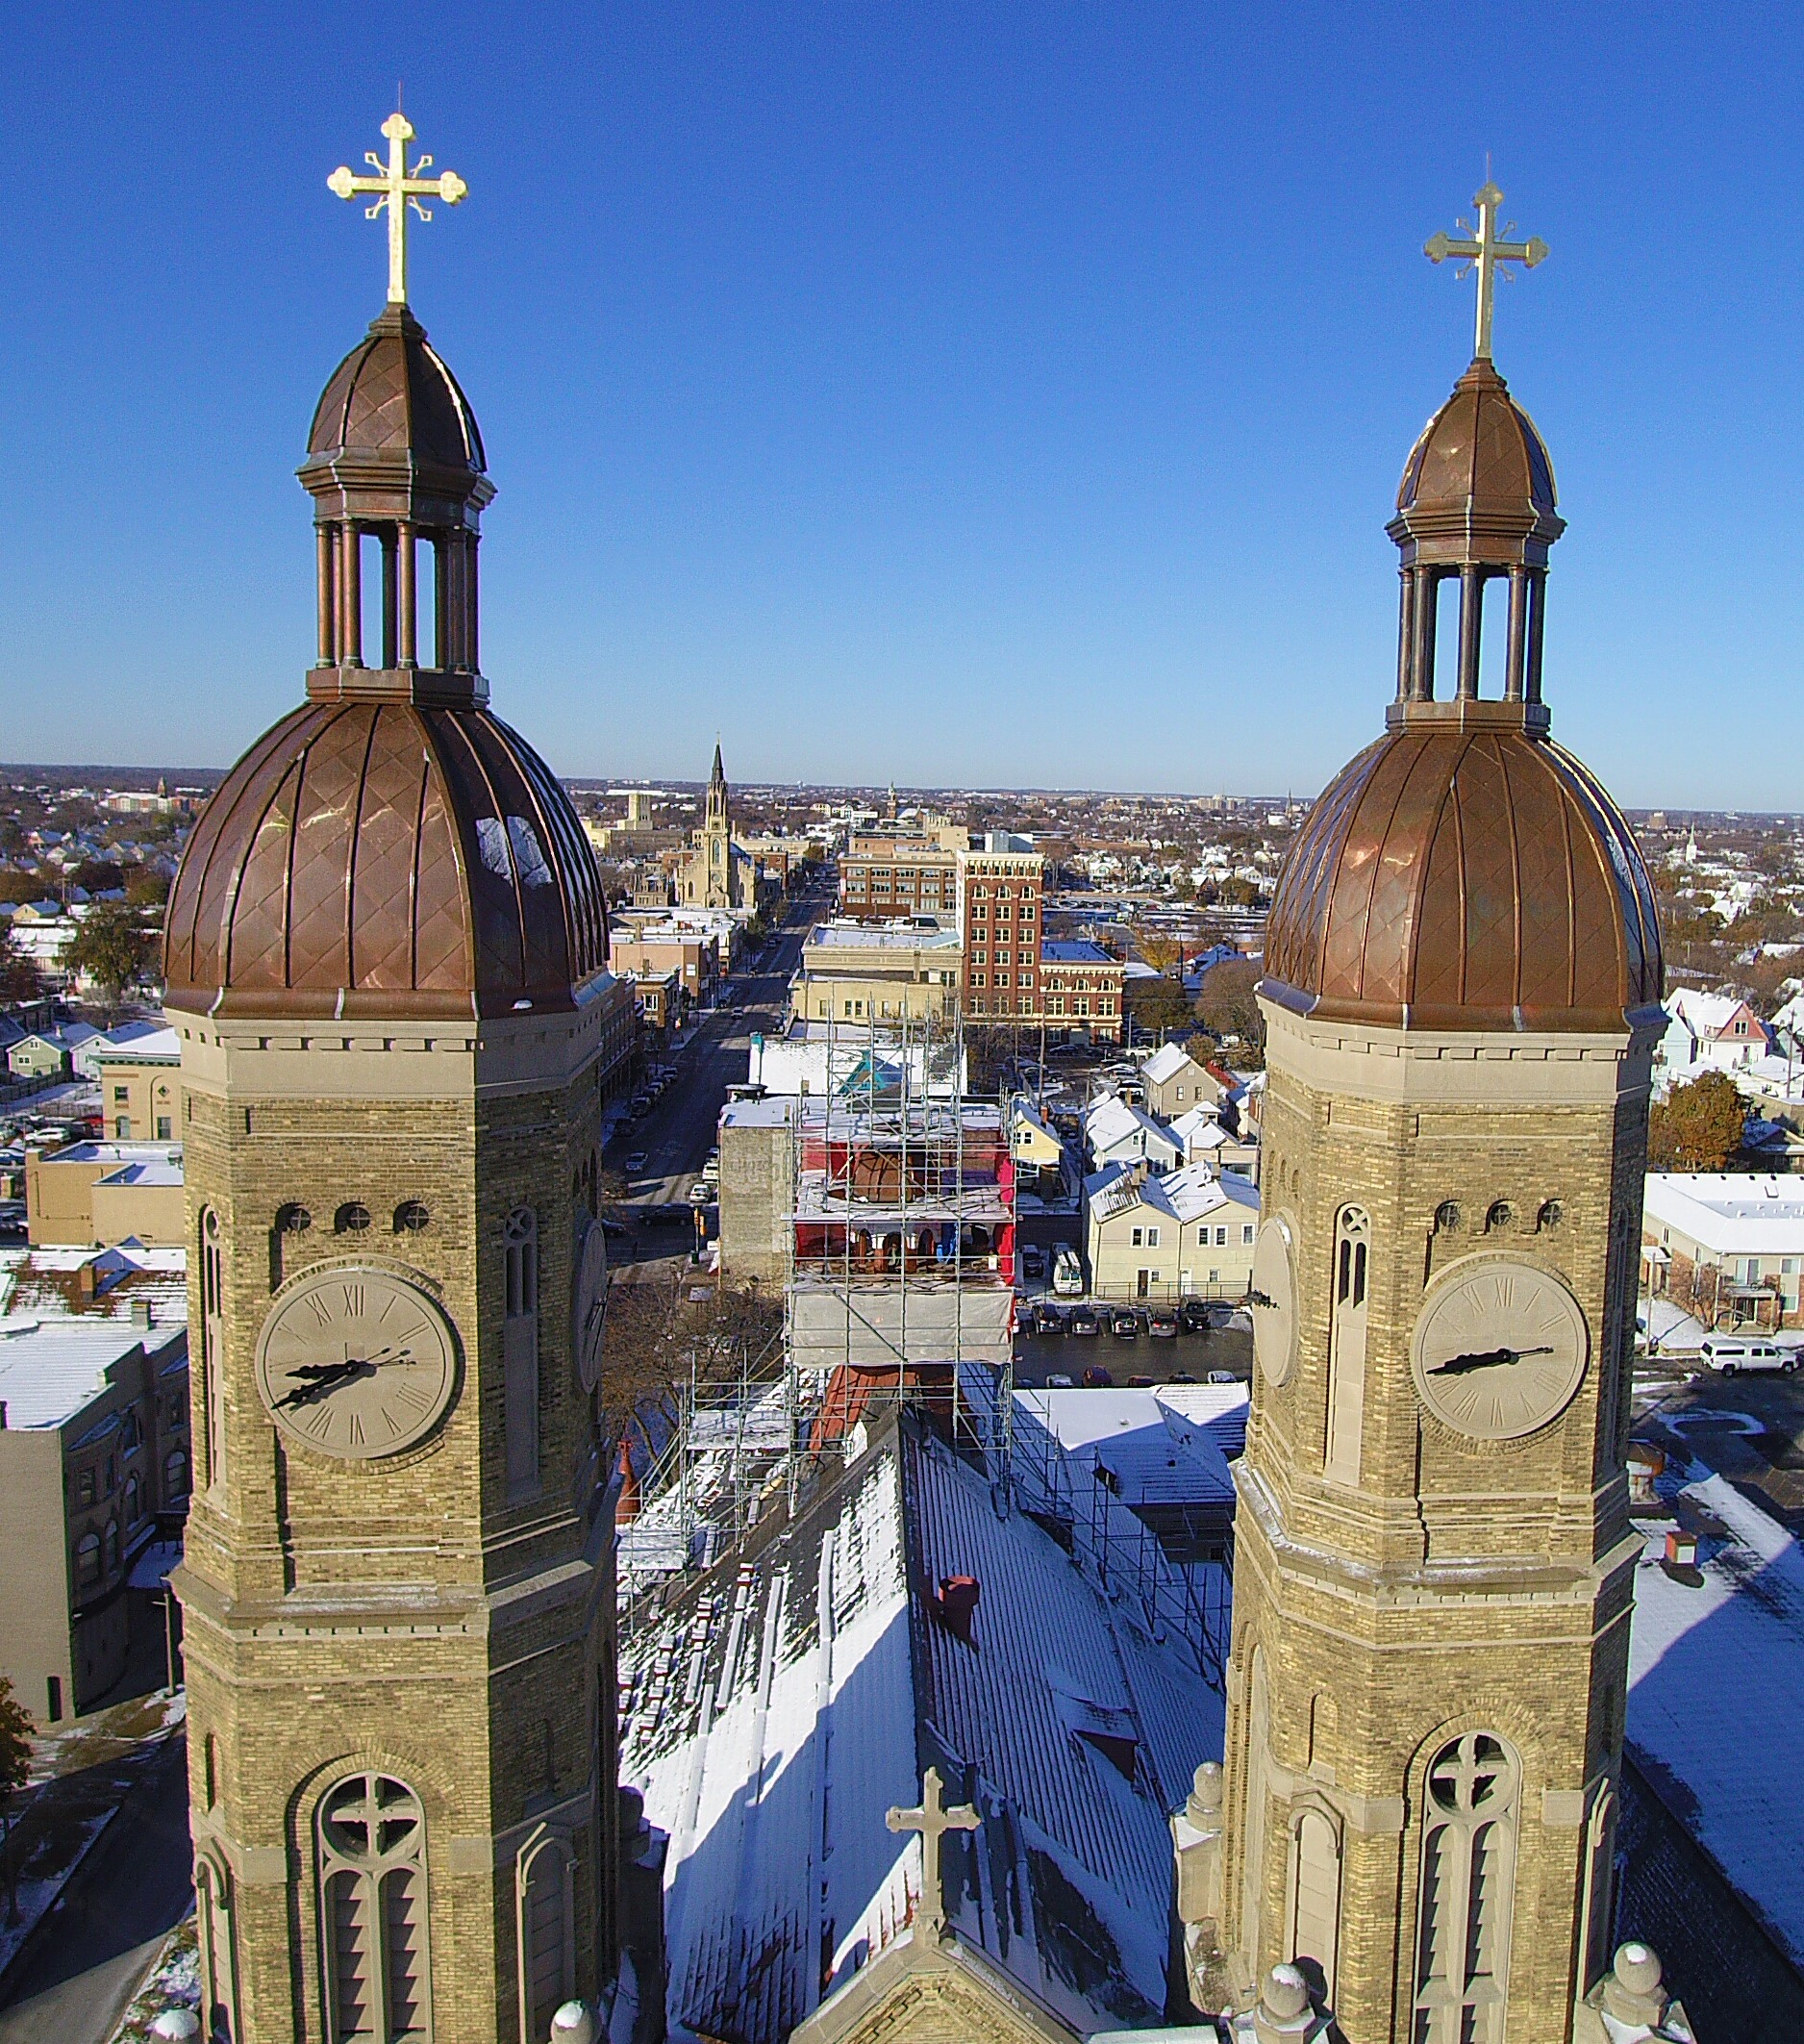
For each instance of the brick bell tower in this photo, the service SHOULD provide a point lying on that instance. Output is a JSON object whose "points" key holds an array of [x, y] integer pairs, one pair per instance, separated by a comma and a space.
{"points": [[383, 953], [1433, 1562]]}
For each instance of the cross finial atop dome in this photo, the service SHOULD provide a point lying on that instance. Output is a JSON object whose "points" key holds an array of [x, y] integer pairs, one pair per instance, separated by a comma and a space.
{"points": [[1483, 253], [396, 189]]}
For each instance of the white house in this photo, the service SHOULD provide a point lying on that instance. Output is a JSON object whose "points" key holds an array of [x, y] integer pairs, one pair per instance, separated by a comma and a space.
{"points": [[1117, 1132], [1186, 1233], [1710, 1032], [1175, 1082]]}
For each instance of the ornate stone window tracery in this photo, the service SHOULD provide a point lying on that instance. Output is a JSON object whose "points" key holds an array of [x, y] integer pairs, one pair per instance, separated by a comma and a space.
{"points": [[1470, 1811], [1347, 1345], [371, 1842]]}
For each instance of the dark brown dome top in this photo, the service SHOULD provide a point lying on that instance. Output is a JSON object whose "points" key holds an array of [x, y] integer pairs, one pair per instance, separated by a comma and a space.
{"points": [[1464, 878], [392, 402], [385, 858], [1478, 484]]}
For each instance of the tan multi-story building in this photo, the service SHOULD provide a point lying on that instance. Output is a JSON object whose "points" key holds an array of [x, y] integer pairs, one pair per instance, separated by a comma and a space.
{"points": [[655, 949], [141, 1087], [1433, 1556], [397, 1584], [93, 1457], [852, 972], [90, 1195]]}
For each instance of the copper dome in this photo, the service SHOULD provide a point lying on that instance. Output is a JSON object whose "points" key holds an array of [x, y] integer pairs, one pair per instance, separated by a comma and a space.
{"points": [[1478, 485], [1468, 875], [392, 396], [385, 858]]}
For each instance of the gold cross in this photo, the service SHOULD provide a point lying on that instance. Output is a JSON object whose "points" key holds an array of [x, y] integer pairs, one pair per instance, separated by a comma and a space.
{"points": [[397, 190], [932, 1819], [1483, 252]]}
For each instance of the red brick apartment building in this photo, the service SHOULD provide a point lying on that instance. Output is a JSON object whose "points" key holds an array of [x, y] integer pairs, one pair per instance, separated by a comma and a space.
{"points": [[1001, 918]]}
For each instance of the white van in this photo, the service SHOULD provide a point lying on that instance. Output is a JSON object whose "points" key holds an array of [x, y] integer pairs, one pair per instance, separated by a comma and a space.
{"points": [[1068, 1272], [1731, 1354]]}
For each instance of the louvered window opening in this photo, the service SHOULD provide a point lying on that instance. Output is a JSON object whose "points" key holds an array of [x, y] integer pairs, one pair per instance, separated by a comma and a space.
{"points": [[1467, 1893], [372, 1878]]}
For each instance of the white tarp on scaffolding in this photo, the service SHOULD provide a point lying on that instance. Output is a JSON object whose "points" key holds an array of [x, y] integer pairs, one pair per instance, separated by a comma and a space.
{"points": [[890, 1322]]}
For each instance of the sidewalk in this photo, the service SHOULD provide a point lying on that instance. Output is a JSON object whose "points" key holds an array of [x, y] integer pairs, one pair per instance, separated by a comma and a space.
{"points": [[82, 1773], [172, 1982]]}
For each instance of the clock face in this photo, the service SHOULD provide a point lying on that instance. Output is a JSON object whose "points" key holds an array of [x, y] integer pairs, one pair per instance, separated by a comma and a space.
{"points": [[1275, 1304], [589, 1301], [1500, 1347], [356, 1361]]}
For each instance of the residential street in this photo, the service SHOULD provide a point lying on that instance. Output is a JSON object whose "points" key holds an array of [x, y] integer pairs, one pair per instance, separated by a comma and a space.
{"points": [[105, 1930], [679, 1131]]}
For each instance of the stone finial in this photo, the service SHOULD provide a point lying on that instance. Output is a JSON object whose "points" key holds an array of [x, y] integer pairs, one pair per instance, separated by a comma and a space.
{"points": [[572, 2024], [1204, 1807], [1285, 2013], [1631, 2004]]}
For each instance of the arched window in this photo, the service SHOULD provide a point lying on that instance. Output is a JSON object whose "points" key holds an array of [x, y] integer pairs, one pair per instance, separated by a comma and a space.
{"points": [[1255, 1766], [519, 1352], [174, 1475], [218, 1957], [134, 1500], [88, 1561], [371, 1839], [544, 1904], [1347, 1345], [212, 1345], [1316, 1893], [112, 1545], [1467, 1892]]}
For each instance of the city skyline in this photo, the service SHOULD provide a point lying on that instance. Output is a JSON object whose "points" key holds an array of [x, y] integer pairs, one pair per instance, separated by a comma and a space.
{"points": [[848, 367]]}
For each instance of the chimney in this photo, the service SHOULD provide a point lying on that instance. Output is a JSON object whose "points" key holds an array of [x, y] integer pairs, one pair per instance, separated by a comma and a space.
{"points": [[626, 1505], [86, 1279], [955, 1606], [142, 1313]]}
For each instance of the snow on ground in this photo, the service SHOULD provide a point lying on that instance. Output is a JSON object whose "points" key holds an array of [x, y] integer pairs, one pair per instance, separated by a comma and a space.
{"points": [[1716, 1692]]}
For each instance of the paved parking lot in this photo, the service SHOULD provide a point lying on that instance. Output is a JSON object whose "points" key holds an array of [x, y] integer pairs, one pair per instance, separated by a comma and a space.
{"points": [[1749, 1428]]}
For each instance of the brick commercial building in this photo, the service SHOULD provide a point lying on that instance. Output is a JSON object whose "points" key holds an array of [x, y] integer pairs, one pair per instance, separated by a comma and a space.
{"points": [[902, 871], [1001, 896], [656, 949], [1081, 985]]}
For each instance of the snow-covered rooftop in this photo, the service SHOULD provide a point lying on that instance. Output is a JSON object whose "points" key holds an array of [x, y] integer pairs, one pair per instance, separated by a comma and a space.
{"points": [[775, 1713], [1733, 1213], [1702, 1656]]}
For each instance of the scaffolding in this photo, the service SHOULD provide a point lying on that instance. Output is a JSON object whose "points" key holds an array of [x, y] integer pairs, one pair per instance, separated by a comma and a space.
{"points": [[898, 1289], [901, 1241]]}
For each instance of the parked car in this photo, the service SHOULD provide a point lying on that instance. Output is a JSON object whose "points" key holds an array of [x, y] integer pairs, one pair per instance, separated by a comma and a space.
{"points": [[1048, 1319], [1140, 1383], [1033, 1261], [1223, 1376], [1085, 1319], [634, 1162], [701, 1193], [1193, 1315], [1732, 1354], [1067, 1275], [1097, 1378], [1058, 1382], [1162, 1320], [1125, 1322]]}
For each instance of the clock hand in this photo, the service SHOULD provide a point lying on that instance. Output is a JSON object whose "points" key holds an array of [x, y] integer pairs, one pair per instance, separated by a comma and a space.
{"points": [[1258, 1298], [319, 1378], [1486, 1359]]}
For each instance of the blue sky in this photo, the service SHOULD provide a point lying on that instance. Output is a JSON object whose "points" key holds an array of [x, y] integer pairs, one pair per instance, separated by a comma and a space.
{"points": [[969, 393]]}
